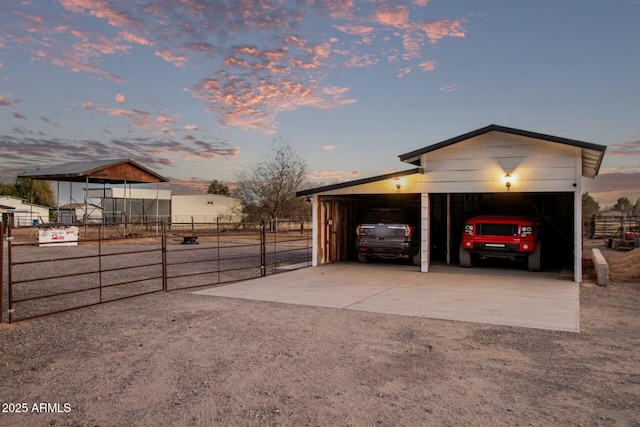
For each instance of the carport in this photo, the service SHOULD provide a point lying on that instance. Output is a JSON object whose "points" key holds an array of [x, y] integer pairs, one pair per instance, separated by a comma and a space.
{"points": [[459, 177]]}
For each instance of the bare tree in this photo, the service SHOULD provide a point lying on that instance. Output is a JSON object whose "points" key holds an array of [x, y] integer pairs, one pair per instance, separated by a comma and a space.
{"points": [[268, 190]]}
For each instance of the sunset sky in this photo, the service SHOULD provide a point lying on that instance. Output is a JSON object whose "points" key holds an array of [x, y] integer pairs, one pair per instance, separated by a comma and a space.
{"points": [[197, 90]]}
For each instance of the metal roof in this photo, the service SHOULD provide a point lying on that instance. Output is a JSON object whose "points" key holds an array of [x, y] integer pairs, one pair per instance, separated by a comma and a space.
{"points": [[115, 171], [592, 154]]}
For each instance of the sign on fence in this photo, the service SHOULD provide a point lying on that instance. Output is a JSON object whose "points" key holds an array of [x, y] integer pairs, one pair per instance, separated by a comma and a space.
{"points": [[58, 236]]}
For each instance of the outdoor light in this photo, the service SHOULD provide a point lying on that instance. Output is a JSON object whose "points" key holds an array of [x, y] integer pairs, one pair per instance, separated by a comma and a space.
{"points": [[398, 182], [507, 180]]}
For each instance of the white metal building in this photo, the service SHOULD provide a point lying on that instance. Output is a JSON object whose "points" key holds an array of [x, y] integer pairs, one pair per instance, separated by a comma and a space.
{"points": [[73, 213], [22, 212], [453, 178], [205, 208]]}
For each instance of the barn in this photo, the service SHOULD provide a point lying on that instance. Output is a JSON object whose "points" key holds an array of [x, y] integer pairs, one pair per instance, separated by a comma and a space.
{"points": [[454, 179]]}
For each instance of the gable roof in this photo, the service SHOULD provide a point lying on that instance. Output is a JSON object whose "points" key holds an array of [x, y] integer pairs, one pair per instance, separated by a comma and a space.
{"points": [[98, 171], [592, 154]]}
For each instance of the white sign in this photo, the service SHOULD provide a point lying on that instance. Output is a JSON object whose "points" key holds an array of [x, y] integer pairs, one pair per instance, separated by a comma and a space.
{"points": [[59, 236]]}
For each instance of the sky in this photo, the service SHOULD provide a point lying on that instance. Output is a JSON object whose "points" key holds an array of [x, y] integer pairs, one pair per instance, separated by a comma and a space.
{"points": [[200, 90]]}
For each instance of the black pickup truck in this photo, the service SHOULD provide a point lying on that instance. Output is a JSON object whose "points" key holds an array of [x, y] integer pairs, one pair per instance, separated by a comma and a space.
{"points": [[388, 234]]}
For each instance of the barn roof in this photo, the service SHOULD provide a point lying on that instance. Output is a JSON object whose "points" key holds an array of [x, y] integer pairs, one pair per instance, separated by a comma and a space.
{"points": [[592, 154], [115, 171]]}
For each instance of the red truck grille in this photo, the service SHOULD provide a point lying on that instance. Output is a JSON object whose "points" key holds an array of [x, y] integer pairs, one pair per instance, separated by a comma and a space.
{"points": [[497, 229]]}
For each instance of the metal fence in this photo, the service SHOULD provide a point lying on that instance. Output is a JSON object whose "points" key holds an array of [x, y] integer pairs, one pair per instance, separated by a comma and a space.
{"points": [[110, 262], [610, 226]]}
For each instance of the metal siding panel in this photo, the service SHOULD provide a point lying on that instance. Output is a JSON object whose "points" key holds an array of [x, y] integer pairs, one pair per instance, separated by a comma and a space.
{"points": [[425, 233]]}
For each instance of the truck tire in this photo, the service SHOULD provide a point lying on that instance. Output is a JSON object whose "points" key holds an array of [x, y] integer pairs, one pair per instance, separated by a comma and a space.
{"points": [[362, 258], [534, 260], [465, 258]]}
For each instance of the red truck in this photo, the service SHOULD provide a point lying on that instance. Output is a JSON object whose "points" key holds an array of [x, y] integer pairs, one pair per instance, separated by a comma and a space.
{"points": [[501, 236]]}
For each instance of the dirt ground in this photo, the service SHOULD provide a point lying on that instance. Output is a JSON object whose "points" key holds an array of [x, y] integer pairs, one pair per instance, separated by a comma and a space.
{"points": [[182, 359]]}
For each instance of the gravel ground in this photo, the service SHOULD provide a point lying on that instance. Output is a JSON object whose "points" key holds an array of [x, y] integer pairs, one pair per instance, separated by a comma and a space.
{"points": [[182, 359]]}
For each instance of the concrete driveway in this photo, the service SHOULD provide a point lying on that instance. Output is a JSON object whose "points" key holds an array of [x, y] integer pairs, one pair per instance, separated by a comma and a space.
{"points": [[481, 295]]}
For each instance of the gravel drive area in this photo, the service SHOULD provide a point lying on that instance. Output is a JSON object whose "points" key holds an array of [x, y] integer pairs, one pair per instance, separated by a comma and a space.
{"points": [[180, 359]]}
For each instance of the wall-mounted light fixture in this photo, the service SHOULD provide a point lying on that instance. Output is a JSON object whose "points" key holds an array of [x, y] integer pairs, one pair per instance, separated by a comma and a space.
{"points": [[397, 183], [507, 180]]}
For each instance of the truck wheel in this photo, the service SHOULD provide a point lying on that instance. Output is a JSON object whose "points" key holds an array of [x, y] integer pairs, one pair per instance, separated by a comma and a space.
{"points": [[362, 258], [465, 258], [415, 260], [534, 260]]}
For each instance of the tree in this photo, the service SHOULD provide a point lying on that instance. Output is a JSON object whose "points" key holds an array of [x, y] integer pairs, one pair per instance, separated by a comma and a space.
{"points": [[8, 190], [217, 187], [35, 191], [623, 205], [268, 191], [589, 206]]}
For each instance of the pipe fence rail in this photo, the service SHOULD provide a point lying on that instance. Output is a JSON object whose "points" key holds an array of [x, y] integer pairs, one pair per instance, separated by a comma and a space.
{"points": [[597, 227], [109, 262]]}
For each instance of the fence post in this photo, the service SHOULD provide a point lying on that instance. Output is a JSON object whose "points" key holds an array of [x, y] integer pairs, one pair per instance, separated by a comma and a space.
{"points": [[2, 240], [100, 237], [10, 273], [263, 250], [163, 243]]}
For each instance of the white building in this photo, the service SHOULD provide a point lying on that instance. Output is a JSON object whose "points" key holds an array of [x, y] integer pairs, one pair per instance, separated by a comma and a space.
{"points": [[453, 178], [21, 212], [188, 208], [73, 213]]}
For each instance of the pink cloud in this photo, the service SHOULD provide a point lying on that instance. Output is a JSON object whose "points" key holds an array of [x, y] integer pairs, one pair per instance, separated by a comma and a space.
{"points": [[630, 148], [360, 61], [5, 102], [283, 68], [100, 9], [120, 98], [437, 30], [253, 103], [428, 66], [394, 16], [135, 38], [328, 147], [177, 60], [333, 175], [339, 8], [404, 71], [356, 30], [450, 88]]}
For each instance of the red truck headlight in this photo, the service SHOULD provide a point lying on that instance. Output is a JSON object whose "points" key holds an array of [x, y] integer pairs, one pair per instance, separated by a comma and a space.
{"points": [[468, 228], [526, 231]]}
